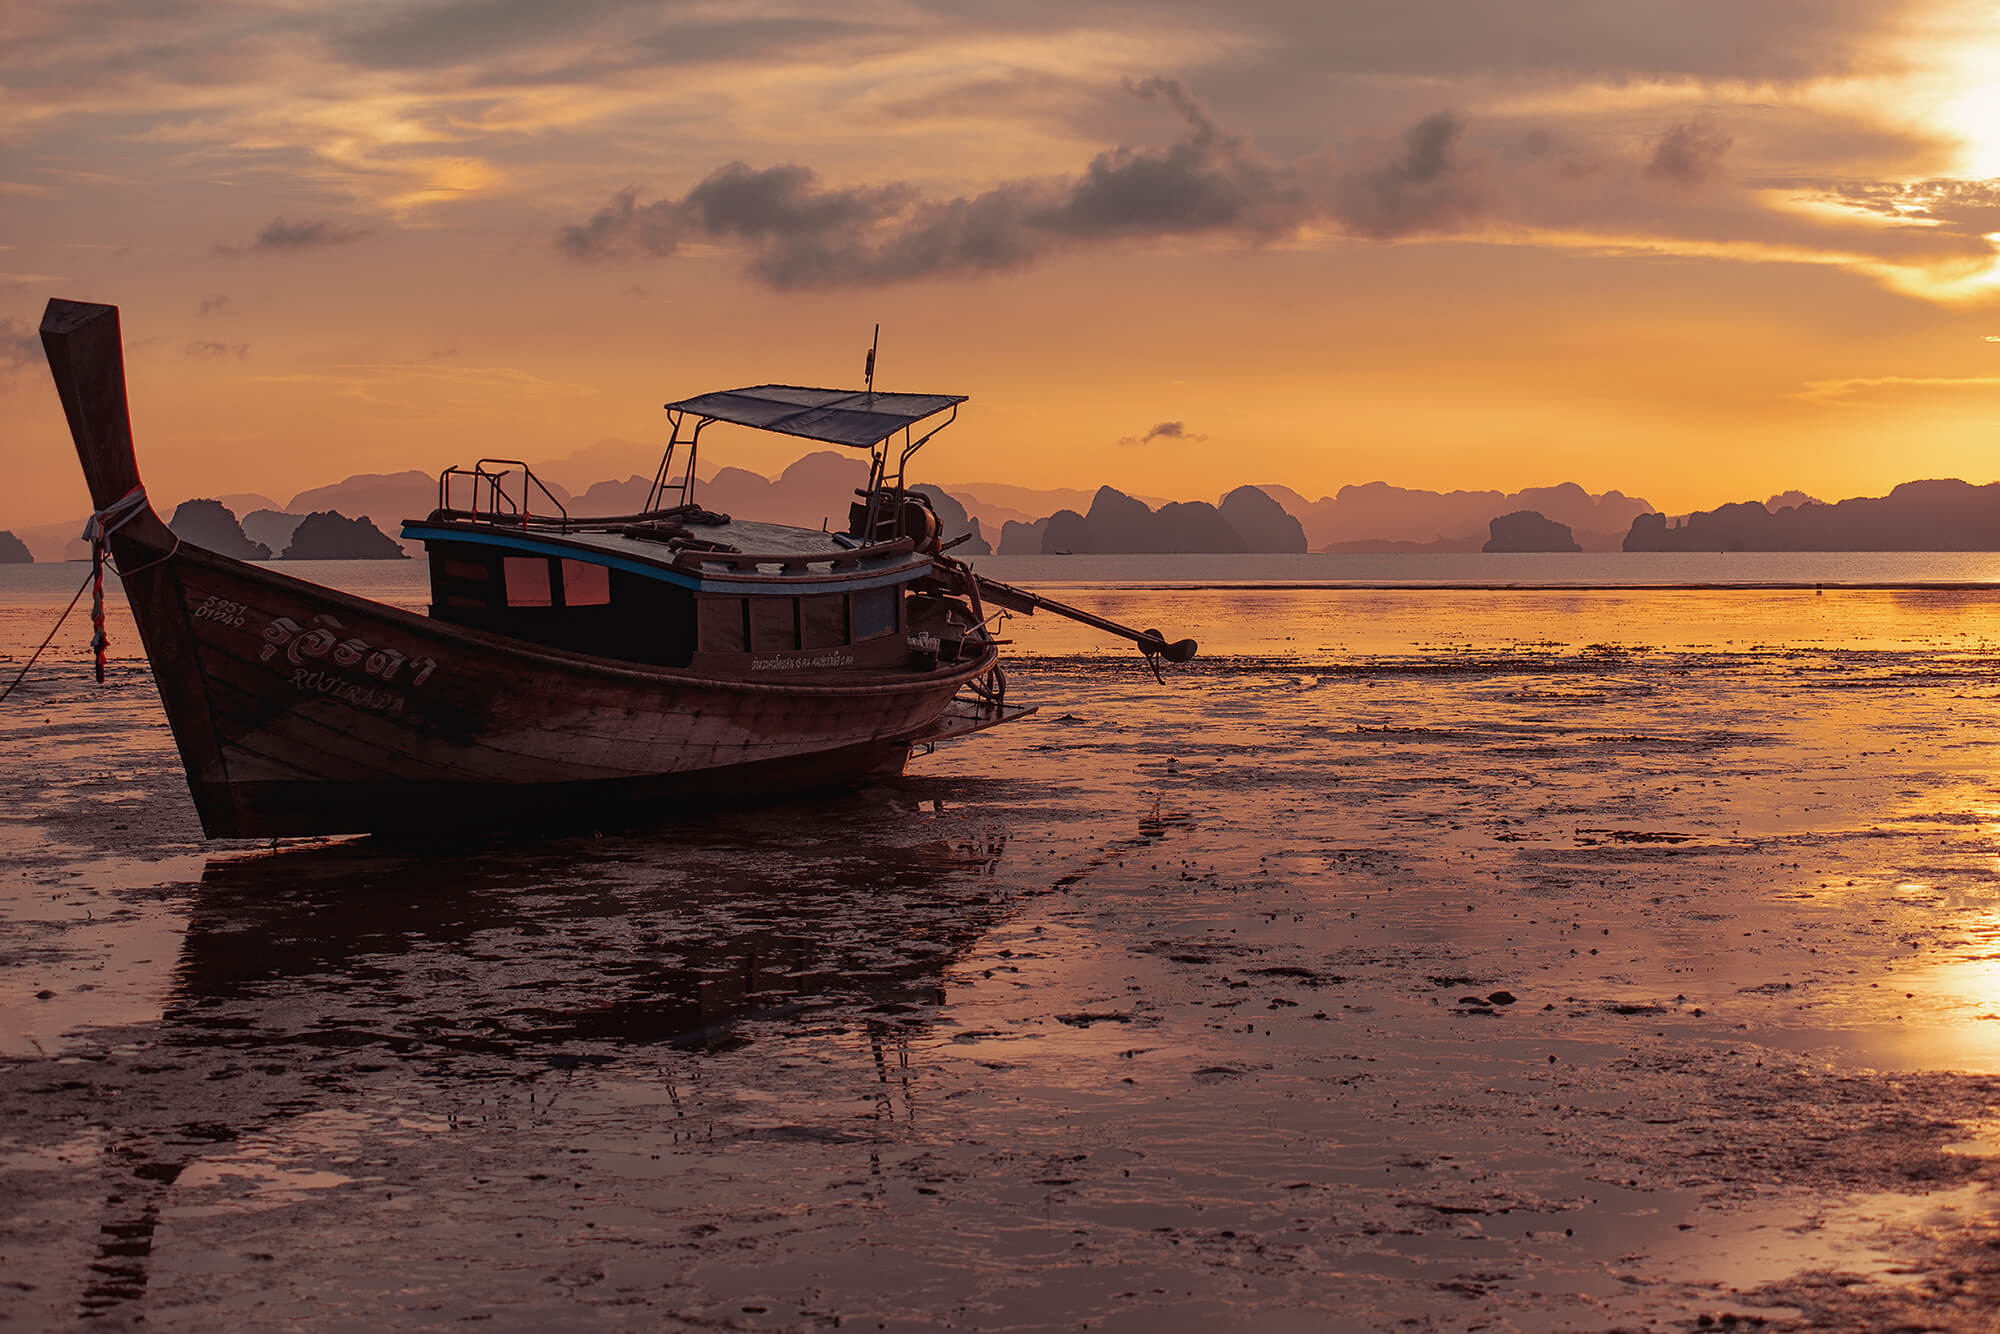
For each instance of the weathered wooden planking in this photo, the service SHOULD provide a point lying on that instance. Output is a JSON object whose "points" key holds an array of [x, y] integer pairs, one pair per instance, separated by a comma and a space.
{"points": [[307, 688]]}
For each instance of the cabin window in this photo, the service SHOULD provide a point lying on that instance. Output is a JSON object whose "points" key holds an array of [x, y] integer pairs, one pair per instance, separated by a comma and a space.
{"points": [[721, 625], [585, 584], [823, 621], [528, 582], [461, 582], [774, 624], [874, 614]]}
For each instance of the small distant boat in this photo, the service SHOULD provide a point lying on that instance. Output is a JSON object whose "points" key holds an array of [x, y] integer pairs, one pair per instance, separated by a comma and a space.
{"points": [[568, 665]]}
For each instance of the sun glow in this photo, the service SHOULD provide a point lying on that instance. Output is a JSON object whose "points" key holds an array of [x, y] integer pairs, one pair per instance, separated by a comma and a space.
{"points": [[1971, 113]]}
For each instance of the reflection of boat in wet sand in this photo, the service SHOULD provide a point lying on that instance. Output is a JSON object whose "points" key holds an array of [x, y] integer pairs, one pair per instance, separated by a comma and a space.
{"points": [[567, 663], [623, 940], [313, 972]]}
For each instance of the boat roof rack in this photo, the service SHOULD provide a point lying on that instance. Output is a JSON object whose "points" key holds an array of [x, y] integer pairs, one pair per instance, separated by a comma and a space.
{"points": [[856, 417]]}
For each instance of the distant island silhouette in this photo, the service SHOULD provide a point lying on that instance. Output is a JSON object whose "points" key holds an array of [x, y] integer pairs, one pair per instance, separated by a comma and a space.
{"points": [[328, 535], [1246, 520], [953, 520], [208, 523], [13, 551], [324, 535], [1938, 515], [1525, 530], [271, 526], [1376, 517]]}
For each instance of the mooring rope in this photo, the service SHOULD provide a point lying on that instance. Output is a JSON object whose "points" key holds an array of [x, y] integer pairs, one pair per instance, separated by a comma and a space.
{"points": [[99, 641], [99, 527], [23, 675], [97, 531]]}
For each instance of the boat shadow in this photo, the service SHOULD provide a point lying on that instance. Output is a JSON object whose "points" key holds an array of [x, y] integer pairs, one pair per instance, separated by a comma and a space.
{"points": [[553, 952]]}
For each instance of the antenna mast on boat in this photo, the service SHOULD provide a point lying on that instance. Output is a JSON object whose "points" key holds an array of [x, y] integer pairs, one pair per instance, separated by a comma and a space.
{"points": [[868, 374]]}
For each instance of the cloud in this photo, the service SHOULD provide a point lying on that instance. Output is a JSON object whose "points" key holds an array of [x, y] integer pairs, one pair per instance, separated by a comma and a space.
{"points": [[20, 348], [210, 304], [1205, 182], [578, 40], [1967, 206], [803, 234], [1688, 153], [461, 31], [1427, 187], [282, 234], [801, 228], [452, 106], [1615, 40], [209, 349], [1163, 431], [1870, 388]]}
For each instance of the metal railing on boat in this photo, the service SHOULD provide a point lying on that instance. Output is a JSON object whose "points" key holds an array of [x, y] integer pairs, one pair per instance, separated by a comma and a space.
{"points": [[491, 485]]}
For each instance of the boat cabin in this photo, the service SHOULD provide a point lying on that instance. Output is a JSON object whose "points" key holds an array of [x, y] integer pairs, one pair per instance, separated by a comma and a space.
{"points": [[679, 586]]}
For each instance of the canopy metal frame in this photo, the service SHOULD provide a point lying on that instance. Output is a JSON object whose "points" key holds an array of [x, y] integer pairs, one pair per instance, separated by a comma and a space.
{"points": [[662, 480], [834, 416], [881, 490]]}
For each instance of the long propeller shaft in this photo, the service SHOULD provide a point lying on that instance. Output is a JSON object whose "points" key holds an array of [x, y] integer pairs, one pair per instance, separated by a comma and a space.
{"points": [[1021, 600]]}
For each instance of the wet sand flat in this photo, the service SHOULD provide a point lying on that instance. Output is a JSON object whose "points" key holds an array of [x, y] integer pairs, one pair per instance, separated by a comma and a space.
{"points": [[1538, 984]]}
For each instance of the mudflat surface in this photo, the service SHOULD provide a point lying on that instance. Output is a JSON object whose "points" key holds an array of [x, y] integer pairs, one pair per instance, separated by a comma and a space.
{"points": [[1536, 985]]}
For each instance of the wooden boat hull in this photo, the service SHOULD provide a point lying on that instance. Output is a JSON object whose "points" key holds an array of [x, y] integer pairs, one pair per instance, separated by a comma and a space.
{"points": [[299, 709], [329, 713]]}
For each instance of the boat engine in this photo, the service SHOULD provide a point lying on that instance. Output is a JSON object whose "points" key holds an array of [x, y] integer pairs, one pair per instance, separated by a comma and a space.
{"points": [[896, 514]]}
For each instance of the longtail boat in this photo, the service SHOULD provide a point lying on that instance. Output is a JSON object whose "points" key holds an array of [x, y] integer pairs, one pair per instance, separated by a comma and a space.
{"points": [[567, 664]]}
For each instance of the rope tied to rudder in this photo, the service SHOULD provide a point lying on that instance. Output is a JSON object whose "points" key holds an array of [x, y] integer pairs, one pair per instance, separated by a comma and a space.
{"points": [[99, 641], [103, 523], [96, 531]]}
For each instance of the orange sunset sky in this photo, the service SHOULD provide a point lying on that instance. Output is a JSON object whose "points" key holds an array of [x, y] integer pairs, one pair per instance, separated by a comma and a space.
{"points": [[1697, 251]]}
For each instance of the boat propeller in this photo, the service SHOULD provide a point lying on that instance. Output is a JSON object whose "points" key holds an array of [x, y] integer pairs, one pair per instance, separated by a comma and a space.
{"points": [[1181, 650]]}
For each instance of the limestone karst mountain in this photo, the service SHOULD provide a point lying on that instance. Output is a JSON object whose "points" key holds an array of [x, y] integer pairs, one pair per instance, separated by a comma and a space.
{"points": [[384, 499], [954, 521], [245, 502], [273, 528], [327, 535], [1525, 530], [1248, 520], [209, 523], [1940, 515], [1017, 520], [1022, 537], [1261, 521], [1378, 516]]}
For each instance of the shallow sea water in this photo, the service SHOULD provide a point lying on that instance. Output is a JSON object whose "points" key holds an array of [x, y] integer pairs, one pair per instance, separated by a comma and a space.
{"points": [[1513, 959]]}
